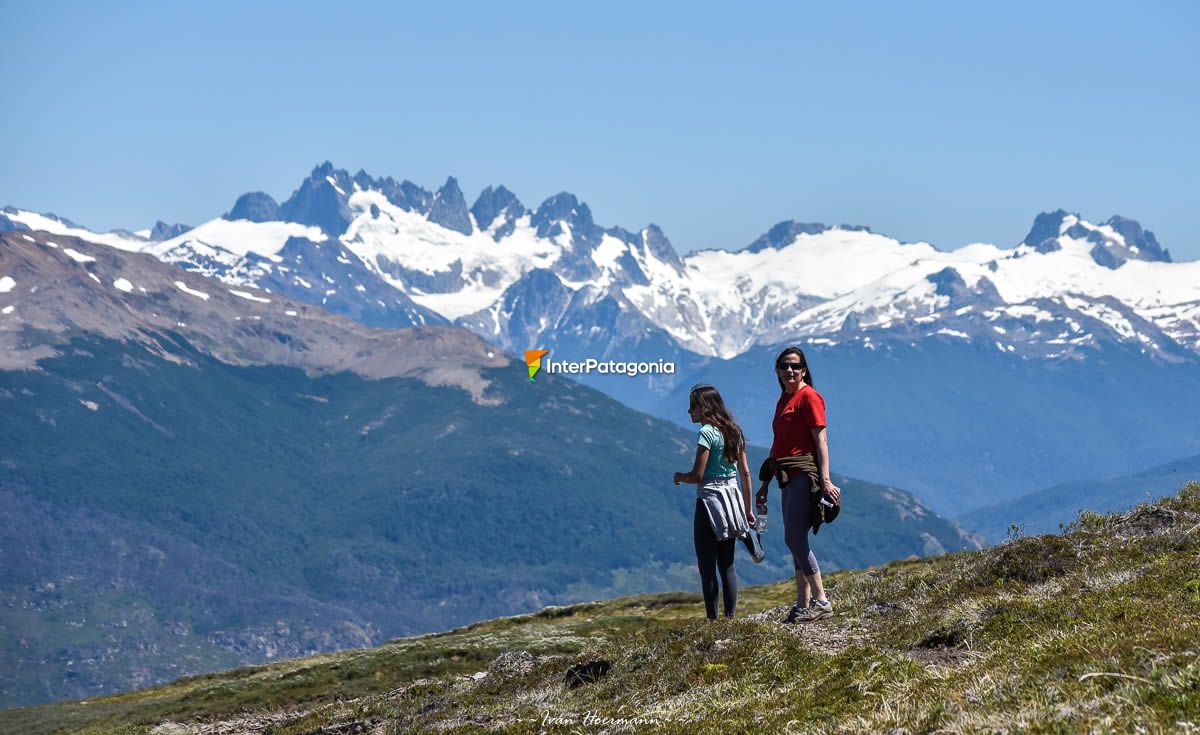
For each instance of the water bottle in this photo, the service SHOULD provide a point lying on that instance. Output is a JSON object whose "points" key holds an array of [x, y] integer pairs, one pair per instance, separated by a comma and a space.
{"points": [[760, 514]]}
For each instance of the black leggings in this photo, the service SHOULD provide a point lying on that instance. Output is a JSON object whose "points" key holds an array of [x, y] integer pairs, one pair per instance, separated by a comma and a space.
{"points": [[713, 556]]}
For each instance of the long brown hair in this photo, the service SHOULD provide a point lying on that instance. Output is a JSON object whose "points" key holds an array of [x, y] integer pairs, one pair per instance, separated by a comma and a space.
{"points": [[808, 378], [712, 410]]}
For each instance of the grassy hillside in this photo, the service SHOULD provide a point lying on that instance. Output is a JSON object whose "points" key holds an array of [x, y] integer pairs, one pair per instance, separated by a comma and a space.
{"points": [[1042, 511], [171, 517], [1095, 630]]}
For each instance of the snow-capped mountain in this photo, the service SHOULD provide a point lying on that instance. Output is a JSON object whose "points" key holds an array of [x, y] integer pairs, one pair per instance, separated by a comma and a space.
{"points": [[1069, 284], [395, 254]]}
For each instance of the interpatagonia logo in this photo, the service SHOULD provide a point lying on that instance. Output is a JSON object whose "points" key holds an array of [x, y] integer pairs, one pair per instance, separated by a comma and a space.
{"points": [[533, 359], [630, 368]]}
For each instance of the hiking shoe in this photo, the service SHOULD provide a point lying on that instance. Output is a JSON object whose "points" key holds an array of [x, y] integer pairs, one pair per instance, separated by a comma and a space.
{"points": [[796, 615], [818, 609]]}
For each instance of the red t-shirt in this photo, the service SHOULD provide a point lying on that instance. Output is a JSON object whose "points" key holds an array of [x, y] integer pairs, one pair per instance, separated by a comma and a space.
{"points": [[795, 418]]}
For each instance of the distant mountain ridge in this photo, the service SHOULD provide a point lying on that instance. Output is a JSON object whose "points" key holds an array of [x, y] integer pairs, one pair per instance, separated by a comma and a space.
{"points": [[1042, 511]]}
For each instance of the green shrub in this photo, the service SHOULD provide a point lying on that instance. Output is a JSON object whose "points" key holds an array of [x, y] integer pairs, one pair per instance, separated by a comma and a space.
{"points": [[1193, 587], [1030, 560]]}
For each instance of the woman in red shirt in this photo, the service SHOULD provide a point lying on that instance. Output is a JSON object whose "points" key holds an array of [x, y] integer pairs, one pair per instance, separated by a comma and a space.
{"points": [[799, 429]]}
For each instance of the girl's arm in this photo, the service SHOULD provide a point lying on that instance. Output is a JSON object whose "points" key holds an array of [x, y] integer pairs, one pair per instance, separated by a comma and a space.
{"points": [[833, 491], [697, 472], [744, 471]]}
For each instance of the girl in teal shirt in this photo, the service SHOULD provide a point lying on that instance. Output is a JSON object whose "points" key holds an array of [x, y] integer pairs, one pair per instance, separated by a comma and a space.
{"points": [[722, 512]]}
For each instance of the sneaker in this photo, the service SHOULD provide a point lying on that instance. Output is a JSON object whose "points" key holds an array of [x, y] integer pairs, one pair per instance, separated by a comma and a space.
{"points": [[796, 615], [818, 609]]}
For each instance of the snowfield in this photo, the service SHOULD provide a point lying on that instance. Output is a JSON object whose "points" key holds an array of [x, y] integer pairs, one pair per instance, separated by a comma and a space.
{"points": [[77, 256], [237, 238], [190, 291]]}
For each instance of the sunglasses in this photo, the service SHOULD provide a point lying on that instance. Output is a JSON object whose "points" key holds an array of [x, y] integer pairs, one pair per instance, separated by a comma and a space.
{"points": [[793, 366]]}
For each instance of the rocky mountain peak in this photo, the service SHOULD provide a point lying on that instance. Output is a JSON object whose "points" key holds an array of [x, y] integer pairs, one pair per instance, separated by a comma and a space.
{"points": [[321, 200], [1130, 242], [1047, 226], [406, 195], [1147, 247], [255, 206], [784, 233], [163, 231], [560, 208], [497, 202], [657, 243], [449, 208]]}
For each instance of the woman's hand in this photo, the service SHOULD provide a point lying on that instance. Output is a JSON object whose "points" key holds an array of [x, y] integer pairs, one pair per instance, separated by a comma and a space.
{"points": [[750, 518], [761, 495], [833, 492]]}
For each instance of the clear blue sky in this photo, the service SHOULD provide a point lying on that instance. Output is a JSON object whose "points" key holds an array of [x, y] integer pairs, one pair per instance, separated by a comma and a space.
{"points": [[924, 121]]}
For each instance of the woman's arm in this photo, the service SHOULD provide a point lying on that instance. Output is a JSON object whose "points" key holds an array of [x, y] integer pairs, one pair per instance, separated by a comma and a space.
{"points": [[744, 471], [761, 496], [833, 491], [764, 484], [697, 472]]}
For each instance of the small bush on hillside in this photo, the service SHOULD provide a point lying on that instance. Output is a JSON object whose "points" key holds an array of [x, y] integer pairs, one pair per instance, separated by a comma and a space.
{"points": [[1030, 560]]}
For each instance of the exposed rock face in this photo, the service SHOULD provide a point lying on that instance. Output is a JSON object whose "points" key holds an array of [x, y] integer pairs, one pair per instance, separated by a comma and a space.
{"points": [[163, 231], [1047, 226], [498, 203], [783, 233], [449, 208], [321, 200], [255, 206]]}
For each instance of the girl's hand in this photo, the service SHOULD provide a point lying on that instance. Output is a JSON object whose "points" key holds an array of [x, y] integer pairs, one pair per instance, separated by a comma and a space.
{"points": [[833, 492], [750, 518], [677, 476]]}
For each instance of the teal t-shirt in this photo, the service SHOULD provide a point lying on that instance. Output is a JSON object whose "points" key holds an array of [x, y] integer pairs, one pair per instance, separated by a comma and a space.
{"points": [[711, 437]]}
